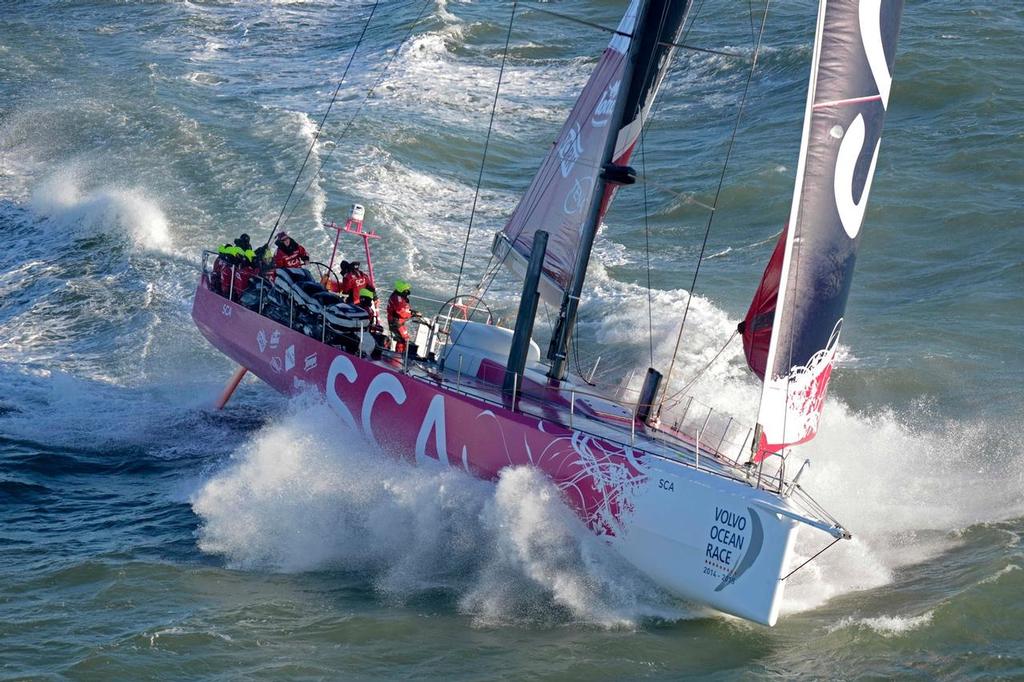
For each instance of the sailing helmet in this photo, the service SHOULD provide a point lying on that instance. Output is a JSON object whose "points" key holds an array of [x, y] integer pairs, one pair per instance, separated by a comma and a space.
{"points": [[366, 293], [402, 287], [281, 236], [243, 241]]}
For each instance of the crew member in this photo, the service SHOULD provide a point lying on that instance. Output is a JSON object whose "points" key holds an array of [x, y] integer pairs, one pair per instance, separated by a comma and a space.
{"points": [[367, 296], [225, 257], [334, 285], [290, 253], [399, 313], [353, 282], [234, 262], [264, 262], [244, 246], [246, 267]]}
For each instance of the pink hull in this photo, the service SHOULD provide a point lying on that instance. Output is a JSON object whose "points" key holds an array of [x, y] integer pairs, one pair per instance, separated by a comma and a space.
{"points": [[693, 524], [414, 417]]}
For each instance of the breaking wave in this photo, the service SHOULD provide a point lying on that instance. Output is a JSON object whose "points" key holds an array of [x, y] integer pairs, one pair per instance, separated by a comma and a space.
{"points": [[294, 499], [62, 201], [887, 626], [903, 482]]}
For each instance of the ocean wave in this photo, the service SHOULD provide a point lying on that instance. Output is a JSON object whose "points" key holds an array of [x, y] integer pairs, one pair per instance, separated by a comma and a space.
{"points": [[67, 208], [887, 626], [293, 500]]}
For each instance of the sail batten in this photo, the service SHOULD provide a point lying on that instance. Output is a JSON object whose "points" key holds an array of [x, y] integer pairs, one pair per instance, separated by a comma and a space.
{"points": [[848, 93]]}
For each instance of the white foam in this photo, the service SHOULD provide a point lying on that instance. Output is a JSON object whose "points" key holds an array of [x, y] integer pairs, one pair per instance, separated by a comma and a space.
{"points": [[294, 500], [428, 213], [69, 208], [1005, 570], [887, 626], [903, 483], [307, 129], [426, 76]]}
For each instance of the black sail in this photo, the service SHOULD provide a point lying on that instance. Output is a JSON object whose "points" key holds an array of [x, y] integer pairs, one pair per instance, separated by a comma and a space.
{"points": [[851, 75]]}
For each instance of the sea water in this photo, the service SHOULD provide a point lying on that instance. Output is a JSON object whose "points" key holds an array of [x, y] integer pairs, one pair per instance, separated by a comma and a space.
{"points": [[145, 535]]}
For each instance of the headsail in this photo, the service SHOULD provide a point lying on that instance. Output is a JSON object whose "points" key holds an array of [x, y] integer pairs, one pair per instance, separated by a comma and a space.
{"points": [[756, 327], [558, 198], [848, 95]]}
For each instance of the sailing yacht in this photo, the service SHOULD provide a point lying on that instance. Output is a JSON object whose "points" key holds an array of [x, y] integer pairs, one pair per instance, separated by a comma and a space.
{"points": [[706, 507]]}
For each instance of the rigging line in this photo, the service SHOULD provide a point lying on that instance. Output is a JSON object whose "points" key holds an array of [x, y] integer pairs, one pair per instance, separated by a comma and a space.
{"points": [[686, 198], [647, 226], [699, 374], [576, 355], [706, 50], [359, 109], [820, 552], [582, 22], [320, 128], [696, 15], [638, 115], [686, 32], [478, 293], [750, 13], [615, 31], [642, 116], [718, 193], [647, 250], [543, 175], [487, 143]]}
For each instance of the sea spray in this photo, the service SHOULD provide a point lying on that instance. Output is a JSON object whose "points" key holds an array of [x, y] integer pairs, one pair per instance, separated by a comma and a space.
{"points": [[303, 495], [901, 481], [111, 210]]}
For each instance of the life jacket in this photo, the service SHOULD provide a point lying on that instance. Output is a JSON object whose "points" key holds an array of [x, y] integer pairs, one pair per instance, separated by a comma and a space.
{"points": [[354, 282], [230, 253]]}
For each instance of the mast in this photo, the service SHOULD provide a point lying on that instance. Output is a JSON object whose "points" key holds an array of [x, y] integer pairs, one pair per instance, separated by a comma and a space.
{"points": [[558, 351], [578, 177]]}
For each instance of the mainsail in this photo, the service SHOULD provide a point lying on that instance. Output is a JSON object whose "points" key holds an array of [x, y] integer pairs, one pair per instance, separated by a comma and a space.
{"points": [[564, 187], [851, 73]]}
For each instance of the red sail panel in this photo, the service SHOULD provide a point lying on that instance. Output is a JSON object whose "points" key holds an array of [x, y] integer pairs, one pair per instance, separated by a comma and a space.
{"points": [[851, 76], [756, 328]]}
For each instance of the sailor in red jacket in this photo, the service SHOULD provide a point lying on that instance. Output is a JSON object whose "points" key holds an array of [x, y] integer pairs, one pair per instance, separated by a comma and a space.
{"points": [[353, 280], [290, 253], [331, 282], [400, 312]]}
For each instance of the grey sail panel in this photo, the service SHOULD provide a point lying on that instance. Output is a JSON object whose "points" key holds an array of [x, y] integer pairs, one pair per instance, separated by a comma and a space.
{"points": [[569, 176]]}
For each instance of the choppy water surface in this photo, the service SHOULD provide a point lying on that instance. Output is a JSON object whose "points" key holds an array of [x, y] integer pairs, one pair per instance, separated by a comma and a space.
{"points": [[144, 535]]}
